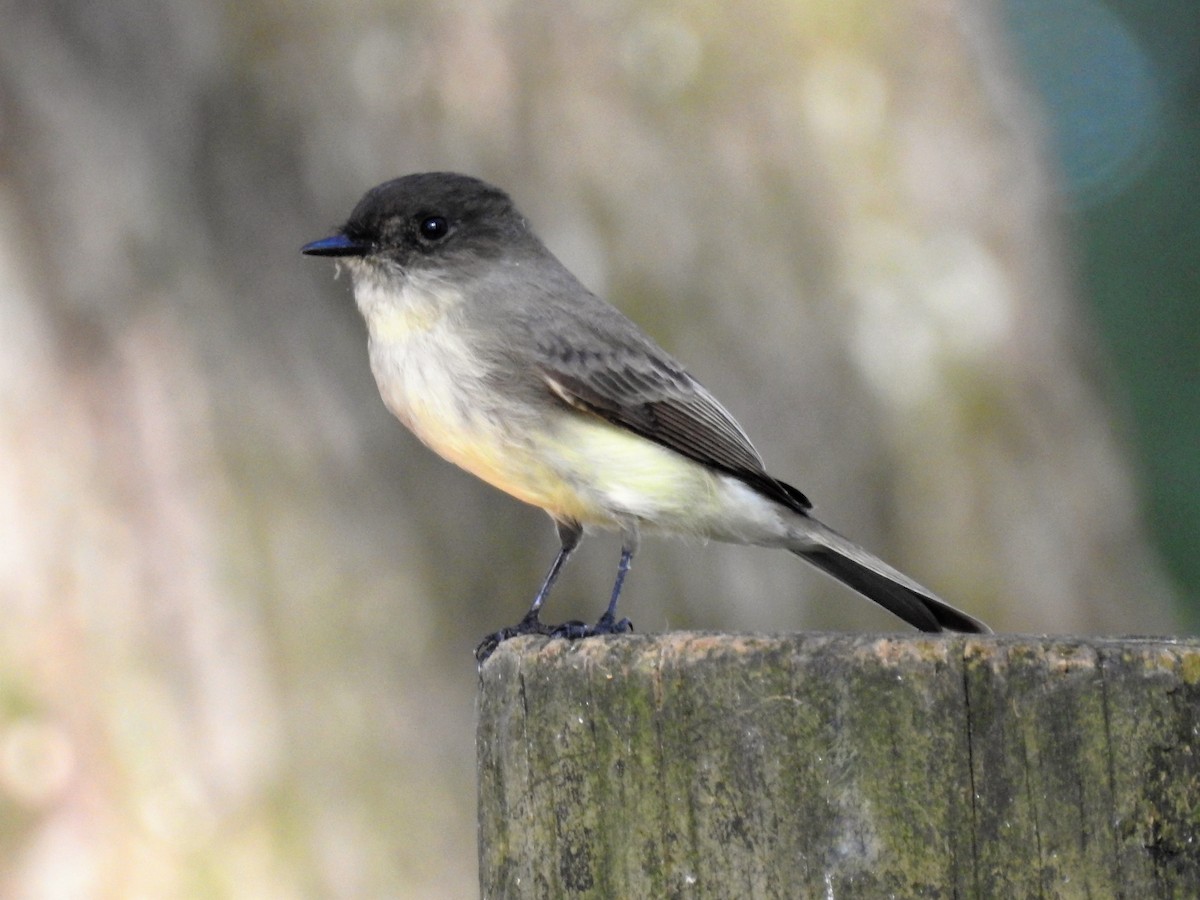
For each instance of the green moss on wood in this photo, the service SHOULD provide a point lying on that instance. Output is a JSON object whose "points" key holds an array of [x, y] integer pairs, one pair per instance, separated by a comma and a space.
{"points": [[693, 765]]}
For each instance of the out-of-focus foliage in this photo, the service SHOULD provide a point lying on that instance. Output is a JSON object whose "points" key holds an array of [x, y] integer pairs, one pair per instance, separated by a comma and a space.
{"points": [[1120, 82], [240, 601]]}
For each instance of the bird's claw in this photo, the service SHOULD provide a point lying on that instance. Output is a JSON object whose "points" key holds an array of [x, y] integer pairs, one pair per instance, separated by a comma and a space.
{"points": [[570, 631], [574, 630]]}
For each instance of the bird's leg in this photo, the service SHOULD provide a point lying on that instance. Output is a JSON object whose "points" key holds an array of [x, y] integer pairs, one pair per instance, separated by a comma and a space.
{"points": [[569, 535], [608, 623]]}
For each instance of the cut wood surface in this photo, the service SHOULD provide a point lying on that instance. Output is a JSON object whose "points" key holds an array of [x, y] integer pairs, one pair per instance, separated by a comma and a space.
{"points": [[819, 765]]}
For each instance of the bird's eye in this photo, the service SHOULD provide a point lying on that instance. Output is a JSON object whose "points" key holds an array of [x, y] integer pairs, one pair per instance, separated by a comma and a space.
{"points": [[433, 228]]}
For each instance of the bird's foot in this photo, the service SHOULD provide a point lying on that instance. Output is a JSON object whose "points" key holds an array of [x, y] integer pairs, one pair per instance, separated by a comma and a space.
{"points": [[574, 630], [571, 631], [531, 624]]}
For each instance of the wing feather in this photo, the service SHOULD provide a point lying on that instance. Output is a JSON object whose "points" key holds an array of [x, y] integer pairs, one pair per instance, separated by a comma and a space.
{"points": [[637, 386]]}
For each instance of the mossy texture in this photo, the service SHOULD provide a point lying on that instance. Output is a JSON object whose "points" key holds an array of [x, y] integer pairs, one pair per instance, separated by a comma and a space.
{"points": [[692, 765]]}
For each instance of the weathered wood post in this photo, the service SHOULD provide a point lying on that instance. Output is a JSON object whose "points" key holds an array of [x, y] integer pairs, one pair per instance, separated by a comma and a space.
{"points": [[693, 765]]}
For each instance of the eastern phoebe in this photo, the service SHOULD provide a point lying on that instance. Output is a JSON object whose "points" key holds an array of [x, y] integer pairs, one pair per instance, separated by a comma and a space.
{"points": [[498, 359]]}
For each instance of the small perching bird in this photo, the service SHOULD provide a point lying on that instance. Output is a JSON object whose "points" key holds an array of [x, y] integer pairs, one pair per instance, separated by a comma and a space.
{"points": [[498, 359]]}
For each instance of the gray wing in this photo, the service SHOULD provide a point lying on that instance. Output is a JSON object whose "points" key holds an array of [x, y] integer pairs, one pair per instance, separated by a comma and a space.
{"points": [[623, 377]]}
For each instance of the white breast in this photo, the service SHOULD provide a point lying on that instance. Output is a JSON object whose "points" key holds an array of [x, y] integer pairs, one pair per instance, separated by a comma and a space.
{"points": [[425, 370]]}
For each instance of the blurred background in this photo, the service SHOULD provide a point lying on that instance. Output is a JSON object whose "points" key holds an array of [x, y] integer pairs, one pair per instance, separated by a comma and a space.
{"points": [[938, 257]]}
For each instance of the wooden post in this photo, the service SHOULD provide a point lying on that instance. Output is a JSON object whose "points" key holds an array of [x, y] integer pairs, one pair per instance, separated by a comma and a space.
{"points": [[816, 765]]}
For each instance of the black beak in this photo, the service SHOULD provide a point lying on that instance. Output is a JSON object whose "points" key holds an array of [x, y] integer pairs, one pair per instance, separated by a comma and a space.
{"points": [[336, 245]]}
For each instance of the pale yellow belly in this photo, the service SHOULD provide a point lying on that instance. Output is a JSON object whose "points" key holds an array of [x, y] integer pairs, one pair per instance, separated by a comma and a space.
{"points": [[583, 468], [525, 471], [572, 464]]}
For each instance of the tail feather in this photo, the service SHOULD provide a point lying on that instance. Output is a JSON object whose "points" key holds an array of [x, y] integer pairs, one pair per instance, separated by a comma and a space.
{"points": [[877, 581]]}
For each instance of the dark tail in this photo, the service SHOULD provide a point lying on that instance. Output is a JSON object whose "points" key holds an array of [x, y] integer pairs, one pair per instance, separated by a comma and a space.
{"points": [[876, 580]]}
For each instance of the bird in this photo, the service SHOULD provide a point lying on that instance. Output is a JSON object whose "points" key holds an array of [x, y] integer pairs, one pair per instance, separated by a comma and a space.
{"points": [[499, 359]]}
